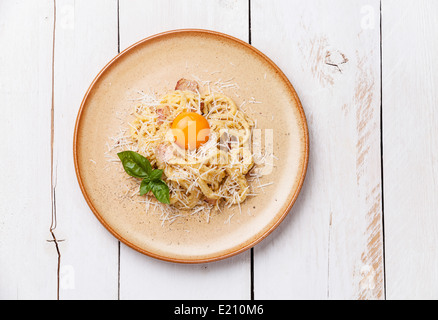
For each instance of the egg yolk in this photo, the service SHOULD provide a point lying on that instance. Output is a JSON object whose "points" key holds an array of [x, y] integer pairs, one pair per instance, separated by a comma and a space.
{"points": [[190, 130]]}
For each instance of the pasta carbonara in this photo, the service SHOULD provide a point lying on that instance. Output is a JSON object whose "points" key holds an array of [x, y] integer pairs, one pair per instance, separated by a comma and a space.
{"points": [[214, 171]]}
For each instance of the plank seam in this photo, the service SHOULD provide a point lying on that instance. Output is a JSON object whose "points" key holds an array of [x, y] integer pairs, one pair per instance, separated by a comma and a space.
{"points": [[118, 26], [252, 249], [382, 152], [53, 223]]}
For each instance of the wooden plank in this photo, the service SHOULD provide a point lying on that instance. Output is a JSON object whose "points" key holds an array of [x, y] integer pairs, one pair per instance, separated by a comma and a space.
{"points": [[142, 277], [410, 118], [330, 246], [139, 19], [28, 261], [86, 39]]}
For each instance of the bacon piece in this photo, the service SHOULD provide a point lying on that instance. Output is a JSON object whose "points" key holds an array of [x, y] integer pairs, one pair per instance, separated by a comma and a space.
{"points": [[187, 85], [211, 201], [163, 153], [226, 141], [163, 113]]}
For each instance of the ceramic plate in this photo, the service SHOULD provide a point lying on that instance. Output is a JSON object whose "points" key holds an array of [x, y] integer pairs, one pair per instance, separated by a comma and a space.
{"points": [[154, 65]]}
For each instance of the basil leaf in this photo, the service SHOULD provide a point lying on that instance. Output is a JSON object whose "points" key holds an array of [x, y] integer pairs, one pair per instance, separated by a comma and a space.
{"points": [[135, 164], [156, 175], [161, 191], [145, 187], [139, 167]]}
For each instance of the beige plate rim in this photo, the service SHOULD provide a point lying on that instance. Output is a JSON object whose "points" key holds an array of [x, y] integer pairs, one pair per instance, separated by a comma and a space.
{"points": [[257, 238]]}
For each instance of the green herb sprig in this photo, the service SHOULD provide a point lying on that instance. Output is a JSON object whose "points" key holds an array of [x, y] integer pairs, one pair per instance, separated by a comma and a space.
{"points": [[139, 167]]}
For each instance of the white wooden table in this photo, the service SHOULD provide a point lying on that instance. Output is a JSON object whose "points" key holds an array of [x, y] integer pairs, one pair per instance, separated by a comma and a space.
{"points": [[366, 223]]}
